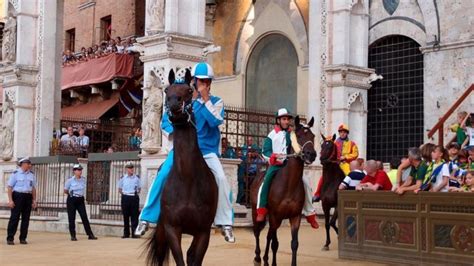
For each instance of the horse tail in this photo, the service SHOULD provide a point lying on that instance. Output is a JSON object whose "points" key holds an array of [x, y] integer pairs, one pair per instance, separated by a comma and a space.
{"points": [[157, 247]]}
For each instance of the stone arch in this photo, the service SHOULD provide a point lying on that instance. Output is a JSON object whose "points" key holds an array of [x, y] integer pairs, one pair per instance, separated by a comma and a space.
{"points": [[409, 19], [398, 27], [267, 17], [429, 10]]}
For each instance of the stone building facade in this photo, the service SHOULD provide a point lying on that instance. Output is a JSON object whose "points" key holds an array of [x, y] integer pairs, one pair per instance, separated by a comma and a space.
{"points": [[379, 66], [86, 19]]}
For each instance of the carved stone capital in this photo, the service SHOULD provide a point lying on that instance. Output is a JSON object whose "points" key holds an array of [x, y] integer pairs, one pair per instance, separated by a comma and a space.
{"points": [[348, 76], [18, 75]]}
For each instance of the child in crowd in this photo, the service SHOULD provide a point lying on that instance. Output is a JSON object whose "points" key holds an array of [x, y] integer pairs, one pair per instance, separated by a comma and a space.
{"points": [[468, 184], [437, 175], [392, 174], [354, 177], [458, 127]]}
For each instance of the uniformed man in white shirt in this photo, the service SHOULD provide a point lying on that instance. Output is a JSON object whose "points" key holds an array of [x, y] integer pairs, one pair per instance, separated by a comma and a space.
{"points": [[75, 189], [129, 187], [21, 189]]}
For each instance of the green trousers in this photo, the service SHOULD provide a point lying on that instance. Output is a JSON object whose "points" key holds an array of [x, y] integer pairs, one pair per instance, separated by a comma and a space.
{"points": [[265, 186]]}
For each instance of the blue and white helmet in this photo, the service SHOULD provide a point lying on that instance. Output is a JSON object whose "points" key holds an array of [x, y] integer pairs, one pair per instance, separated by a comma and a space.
{"points": [[202, 70]]}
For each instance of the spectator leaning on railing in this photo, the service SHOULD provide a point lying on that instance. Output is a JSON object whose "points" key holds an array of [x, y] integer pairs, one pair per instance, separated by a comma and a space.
{"points": [[375, 179], [117, 45]]}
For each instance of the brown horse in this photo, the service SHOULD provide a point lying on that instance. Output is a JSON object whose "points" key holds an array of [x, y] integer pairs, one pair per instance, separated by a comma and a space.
{"points": [[189, 197], [286, 196], [332, 177]]}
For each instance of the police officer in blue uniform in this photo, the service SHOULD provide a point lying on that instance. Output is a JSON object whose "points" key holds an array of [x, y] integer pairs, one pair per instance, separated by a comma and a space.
{"points": [[21, 198], [129, 186], [75, 189]]}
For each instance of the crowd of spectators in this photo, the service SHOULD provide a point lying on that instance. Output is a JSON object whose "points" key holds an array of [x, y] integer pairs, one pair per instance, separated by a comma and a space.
{"points": [[74, 141], [116, 45], [429, 167]]}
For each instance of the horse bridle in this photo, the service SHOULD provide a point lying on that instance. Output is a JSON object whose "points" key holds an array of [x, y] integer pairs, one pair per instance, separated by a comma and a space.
{"points": [[185, 108], [334, 150]]}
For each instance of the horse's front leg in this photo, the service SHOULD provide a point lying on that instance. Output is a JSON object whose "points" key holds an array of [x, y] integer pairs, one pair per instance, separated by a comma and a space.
{"points": [[274, 225], [173, 235], [271, 232], [295, 227], [327, 212]]}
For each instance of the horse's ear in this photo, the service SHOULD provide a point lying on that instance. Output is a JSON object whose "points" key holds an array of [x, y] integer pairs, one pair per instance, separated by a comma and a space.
{"points": [[171, 77], [187, 76], [323, 137], [311, 122], [297, 121], [334, 137]]}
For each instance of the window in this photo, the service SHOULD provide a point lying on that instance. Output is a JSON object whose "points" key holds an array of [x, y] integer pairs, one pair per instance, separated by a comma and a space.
{"points": [[106, 28], [70, 40]]}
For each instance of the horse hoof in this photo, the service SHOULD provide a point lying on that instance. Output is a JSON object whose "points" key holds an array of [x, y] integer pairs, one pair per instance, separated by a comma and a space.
{"points": [[257, 263], [325, 248]]}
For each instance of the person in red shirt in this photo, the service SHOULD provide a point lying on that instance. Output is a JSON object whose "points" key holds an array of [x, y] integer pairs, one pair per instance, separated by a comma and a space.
{"points": [[375, 179]]}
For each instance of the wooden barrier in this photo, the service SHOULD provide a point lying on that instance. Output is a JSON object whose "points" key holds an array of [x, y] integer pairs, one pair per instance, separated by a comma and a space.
{"points": [[411, 229]]}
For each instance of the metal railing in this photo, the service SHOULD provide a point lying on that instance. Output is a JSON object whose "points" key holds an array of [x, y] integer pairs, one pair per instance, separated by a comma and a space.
{"points": [[102, 134], [439, 127], [51, 174], [103, 174]]}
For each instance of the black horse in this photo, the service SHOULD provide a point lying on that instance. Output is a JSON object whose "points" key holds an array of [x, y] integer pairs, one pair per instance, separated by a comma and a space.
{"points": [[332, 177], [189, 198]]}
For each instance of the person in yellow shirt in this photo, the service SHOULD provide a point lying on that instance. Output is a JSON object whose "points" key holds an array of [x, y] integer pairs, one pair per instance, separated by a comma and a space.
{"points": [[347, 152]]}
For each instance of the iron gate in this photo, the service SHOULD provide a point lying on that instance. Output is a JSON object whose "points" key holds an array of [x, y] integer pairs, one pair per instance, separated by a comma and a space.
{"points": [[395, 104]]}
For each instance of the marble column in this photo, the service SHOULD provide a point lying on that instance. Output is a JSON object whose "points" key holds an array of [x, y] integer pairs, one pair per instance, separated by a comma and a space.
{"points": [[347, 75]]}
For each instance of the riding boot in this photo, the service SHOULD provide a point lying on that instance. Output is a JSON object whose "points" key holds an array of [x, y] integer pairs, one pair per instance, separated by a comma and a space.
{"points": [[312, 221], [317, 194], [261, 214]]}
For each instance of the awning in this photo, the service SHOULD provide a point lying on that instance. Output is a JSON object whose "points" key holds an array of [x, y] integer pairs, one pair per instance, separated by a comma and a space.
{"points": [[88, 111], [97, 70]]}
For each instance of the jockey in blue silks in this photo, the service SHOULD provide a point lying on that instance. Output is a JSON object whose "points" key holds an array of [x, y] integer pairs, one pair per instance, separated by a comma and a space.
{"points": [[209, 114]]}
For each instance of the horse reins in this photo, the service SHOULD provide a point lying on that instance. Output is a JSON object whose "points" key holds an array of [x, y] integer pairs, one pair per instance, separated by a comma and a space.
{"points": [[300, 153], [185, 109]]}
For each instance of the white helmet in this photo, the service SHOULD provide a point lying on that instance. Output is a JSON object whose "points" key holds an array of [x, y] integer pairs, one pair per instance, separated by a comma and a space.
{"points": [[202, 70]]}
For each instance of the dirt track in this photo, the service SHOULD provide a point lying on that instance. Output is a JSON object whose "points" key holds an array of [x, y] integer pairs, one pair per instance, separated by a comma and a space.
{"points": [[56, 249]]}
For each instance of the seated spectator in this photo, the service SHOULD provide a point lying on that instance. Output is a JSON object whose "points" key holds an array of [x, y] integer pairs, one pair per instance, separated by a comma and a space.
{"points": [[227, 151], [392, 174], [354, 177], [417, 172], [68, 140], [375, 179], [83, 142], [453, 165], [468, 184]]}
